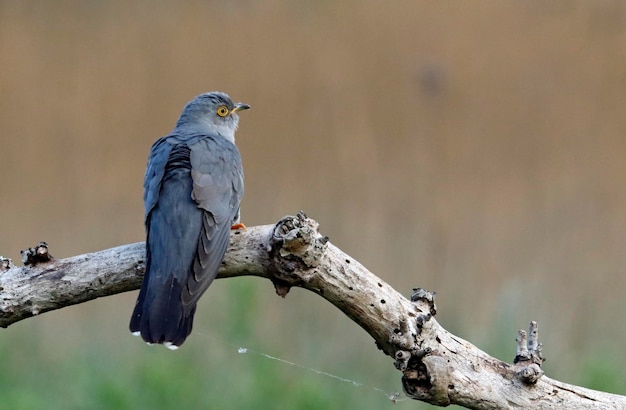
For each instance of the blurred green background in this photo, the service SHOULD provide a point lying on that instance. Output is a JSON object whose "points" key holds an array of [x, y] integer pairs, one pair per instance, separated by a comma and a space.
{"points": [[471, 148]]}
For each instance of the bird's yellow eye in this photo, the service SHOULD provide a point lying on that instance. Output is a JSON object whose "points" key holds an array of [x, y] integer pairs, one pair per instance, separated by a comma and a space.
{"points": [[222, 111]]}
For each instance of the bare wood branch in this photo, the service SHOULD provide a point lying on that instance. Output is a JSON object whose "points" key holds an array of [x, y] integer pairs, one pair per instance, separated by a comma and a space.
{"points": [[437, 367]]}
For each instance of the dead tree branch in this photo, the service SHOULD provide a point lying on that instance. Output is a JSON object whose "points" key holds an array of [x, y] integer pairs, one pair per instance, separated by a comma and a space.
{"points": [[437, 367]]}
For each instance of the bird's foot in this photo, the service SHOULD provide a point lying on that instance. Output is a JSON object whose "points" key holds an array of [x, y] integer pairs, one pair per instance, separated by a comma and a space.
{"points": [[238, 226]]}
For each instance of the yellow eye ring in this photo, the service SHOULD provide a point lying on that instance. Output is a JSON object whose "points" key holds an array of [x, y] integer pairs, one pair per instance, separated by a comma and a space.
{"points": [[222, 111]]}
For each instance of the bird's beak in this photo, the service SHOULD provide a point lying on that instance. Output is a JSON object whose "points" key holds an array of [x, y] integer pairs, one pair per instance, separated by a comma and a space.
{"points": [[240, 107]]}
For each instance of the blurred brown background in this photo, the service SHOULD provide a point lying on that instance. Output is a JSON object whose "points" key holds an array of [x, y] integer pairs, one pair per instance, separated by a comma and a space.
{"points": [[471, 148]]}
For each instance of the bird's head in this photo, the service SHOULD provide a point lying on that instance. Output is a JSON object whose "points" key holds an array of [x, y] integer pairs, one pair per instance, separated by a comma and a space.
{"points": [[212, 112]]}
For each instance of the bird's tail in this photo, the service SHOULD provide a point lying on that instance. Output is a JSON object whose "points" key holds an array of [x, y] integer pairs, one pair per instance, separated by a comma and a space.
{"points": [[160, 316], [162, 319]]}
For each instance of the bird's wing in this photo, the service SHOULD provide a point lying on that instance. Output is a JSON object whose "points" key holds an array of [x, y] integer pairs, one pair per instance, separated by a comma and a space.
{"points": [[159, 155], [173, 223], [217, 176]]}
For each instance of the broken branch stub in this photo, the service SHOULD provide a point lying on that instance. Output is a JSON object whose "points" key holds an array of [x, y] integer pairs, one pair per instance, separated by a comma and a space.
{"points": [[5, 264], [295, 248], [37, 254]]}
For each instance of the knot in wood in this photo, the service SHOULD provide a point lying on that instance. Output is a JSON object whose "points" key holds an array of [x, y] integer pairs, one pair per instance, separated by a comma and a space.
{"points": [[411, 361], [402, 360], [140, 267], [424, 301], [296, 241], [530, 374], [296, 248], [403, 336], [428, 379]]}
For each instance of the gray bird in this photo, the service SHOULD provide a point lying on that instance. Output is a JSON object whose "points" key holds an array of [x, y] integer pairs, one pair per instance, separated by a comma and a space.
{"points": [[192, 190]]}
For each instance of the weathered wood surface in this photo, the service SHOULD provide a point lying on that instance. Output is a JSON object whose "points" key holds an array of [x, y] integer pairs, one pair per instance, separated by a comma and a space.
{"points": [[437, 367]]}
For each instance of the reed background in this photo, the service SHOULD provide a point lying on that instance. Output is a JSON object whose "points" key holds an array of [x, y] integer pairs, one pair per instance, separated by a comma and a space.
{"points": [[471, 148]]}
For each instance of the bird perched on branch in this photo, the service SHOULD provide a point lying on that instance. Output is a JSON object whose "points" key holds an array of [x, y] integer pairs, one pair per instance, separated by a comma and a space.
{"points": [[192, 190]]}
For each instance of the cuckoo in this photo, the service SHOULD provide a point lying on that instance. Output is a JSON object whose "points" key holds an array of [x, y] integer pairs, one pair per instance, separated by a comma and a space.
{"points": [[192, 190]]}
